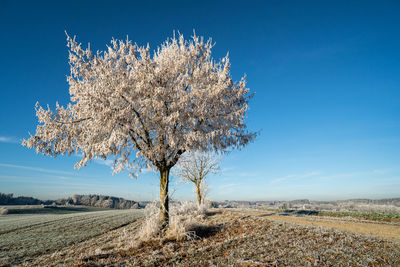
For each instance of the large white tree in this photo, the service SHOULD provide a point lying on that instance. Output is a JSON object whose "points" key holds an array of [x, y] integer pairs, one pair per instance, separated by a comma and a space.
{"points": [[145, 110]]}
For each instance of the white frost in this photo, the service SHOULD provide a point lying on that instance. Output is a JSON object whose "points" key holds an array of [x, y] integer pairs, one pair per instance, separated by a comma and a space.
{"points": [[145, 110]]}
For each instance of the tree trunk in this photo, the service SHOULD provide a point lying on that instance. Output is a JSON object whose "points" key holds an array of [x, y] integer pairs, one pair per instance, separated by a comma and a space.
{"points": [[164, 208], [198, 194]]}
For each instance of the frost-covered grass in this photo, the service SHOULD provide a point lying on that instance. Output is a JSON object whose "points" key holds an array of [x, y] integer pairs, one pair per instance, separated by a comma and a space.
{"points": [[246, 240], [185, 218], [239, 238], [25, 237], [30, 217], [367, 215], [42, 209], [376, 213]]}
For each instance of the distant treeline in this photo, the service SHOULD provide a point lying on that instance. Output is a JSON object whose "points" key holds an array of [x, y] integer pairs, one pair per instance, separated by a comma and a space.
{"points": [[84, 200], [99, 201], [349, 204], [8, 199], [365, 201]]}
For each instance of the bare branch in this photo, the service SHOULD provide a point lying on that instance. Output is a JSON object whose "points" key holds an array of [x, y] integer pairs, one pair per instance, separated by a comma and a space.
{"points": [[195, 167]]}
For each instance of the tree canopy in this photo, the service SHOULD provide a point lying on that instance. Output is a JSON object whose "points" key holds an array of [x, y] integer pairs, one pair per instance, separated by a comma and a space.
{"points": [[143, 109]]}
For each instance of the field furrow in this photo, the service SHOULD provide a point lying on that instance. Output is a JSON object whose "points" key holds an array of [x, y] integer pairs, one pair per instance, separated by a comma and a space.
{"points": [[38, 235], [14, 222]]}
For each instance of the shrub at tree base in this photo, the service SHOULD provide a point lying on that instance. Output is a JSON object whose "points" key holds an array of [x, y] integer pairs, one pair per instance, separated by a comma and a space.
{"points": [[185, 220]]}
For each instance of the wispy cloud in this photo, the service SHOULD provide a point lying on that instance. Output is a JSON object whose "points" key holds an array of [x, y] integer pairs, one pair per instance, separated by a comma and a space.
{"points": [[246, 174], [8, 139], [232, 171], [100, 161], [110, 163], [107, 162], [34, 169], [295, 177], [226, 190], [227, 169], [348, 175], [228, 187]]}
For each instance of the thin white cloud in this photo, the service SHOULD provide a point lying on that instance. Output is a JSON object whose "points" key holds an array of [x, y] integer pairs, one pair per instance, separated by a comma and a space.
{"points": [[100, 161], [348, 175], [31, 179], [224, 187], [62, 177], [295, 176], [34, 169], [110, 163], [8, 139], [381, 171], [232, 171], [227, 169], [247, 174], [107, 162]]}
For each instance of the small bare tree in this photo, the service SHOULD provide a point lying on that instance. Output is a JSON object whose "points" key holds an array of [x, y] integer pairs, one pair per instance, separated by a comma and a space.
{"points": [[194, 167]]}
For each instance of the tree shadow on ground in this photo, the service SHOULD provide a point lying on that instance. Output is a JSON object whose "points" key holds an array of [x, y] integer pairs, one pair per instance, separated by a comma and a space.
{"points": [[212, 213], [266, 214], [204, 231], [299, 212], [53, 210]]}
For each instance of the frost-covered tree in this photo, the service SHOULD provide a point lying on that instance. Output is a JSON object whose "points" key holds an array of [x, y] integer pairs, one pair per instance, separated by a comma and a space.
{"points": [[145, 110], [194, 167]]}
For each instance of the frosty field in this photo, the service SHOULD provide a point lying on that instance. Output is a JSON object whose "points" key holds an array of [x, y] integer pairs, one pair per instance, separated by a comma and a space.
{"points": [[26, 236], [235, 237]]}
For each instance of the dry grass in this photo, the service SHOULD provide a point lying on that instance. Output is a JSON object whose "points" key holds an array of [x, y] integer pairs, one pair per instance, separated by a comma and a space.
{"points": [[381, 229], [236, 239], [388, 231], [185, 218], [3, 211]]}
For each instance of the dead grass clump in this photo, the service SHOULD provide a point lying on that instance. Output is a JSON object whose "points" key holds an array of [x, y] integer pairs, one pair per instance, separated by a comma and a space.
{"points": [[184, 222], [3, 211], [151, 226]]}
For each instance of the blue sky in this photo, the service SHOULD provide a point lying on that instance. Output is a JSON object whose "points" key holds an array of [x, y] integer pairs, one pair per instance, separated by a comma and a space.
{"points": [[326, 77]]}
